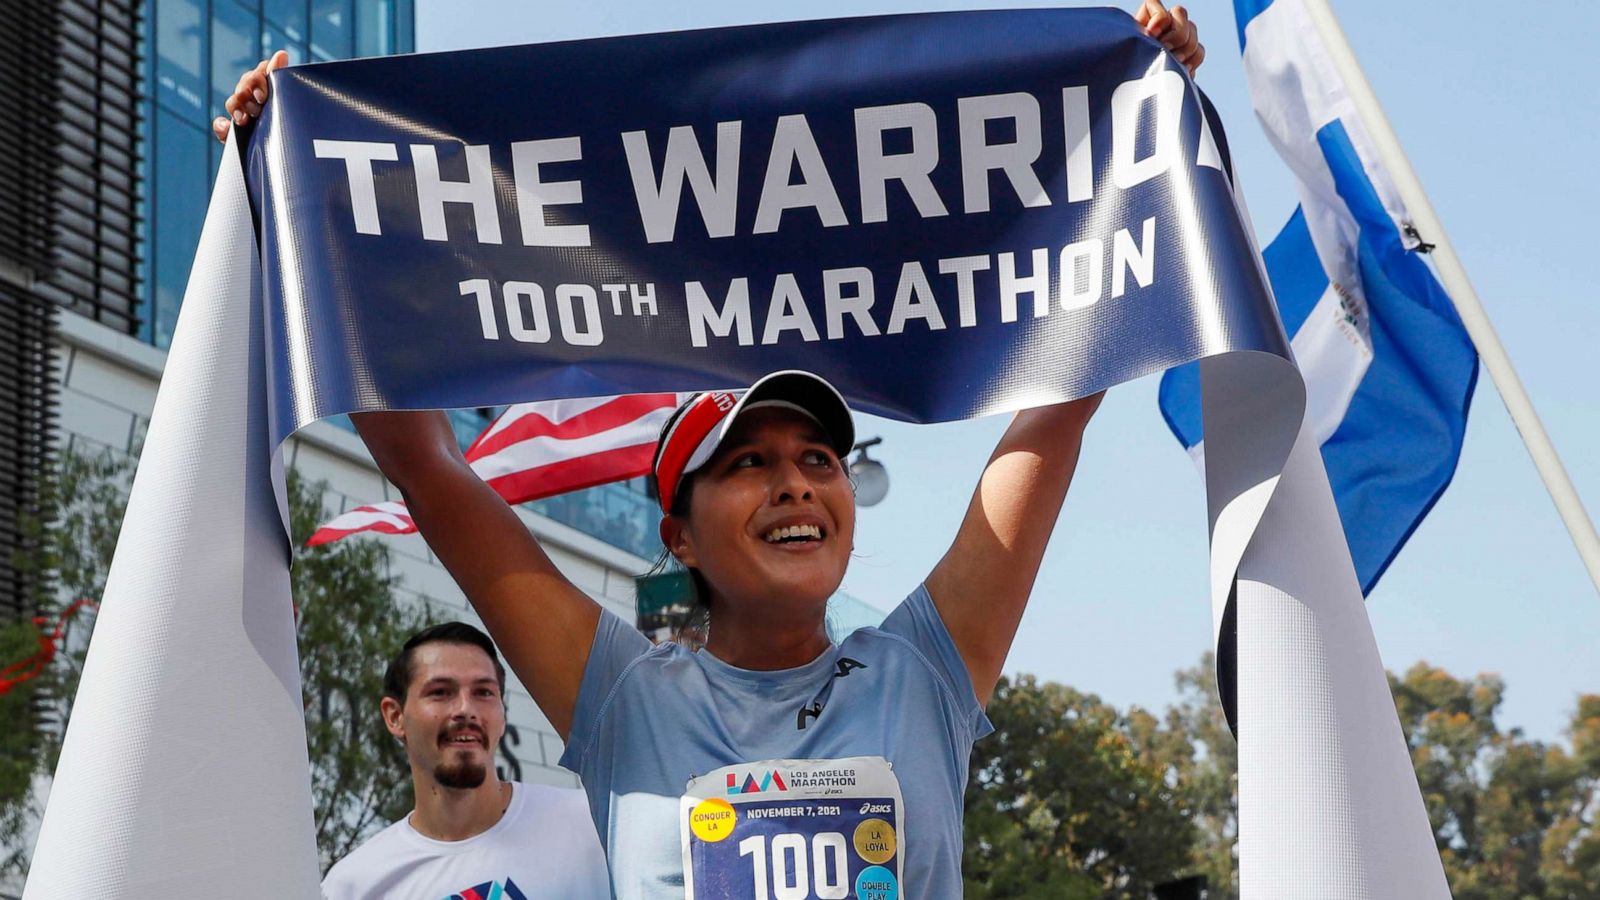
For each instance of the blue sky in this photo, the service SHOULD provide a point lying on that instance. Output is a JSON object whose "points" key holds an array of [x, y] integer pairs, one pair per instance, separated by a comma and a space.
{"points": [[1494, 108]]}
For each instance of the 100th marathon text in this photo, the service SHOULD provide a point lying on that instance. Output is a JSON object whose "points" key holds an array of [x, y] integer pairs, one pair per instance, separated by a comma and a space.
{"points": [[821, 305]]}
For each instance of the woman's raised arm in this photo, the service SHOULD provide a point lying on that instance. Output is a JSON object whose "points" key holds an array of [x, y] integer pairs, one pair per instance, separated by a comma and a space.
{"points": [[981, 587], [543, 624]]}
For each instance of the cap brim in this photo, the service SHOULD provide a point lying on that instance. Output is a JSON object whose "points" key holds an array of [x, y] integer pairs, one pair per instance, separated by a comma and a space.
{"points": [[813, 394], [807, 393]]}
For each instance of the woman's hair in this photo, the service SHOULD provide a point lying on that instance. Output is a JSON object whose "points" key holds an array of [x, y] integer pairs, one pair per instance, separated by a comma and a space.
{"points": [[696, 626]]}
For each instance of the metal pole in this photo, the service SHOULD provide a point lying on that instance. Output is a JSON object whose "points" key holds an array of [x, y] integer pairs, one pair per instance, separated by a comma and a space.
{"points": [[1428, 227]]}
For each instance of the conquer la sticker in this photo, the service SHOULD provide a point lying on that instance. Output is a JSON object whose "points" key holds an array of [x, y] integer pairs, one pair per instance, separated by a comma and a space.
{"points": [[816, 829]]}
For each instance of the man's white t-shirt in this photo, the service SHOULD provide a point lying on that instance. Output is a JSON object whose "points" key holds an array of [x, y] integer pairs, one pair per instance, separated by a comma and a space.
{"points": [[543, 848]]}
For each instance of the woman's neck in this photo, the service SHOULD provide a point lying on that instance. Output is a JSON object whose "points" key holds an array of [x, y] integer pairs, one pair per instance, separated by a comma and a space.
{"points": [[749, 637]]}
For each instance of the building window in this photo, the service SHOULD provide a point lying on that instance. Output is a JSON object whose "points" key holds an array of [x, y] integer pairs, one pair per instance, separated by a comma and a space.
{"points": [[180, 53], [332, 29], [182, 183], [288, 17], [468, 424], [405, 28], [274, 39], [375, 28], [198, 49], [233, 50]]}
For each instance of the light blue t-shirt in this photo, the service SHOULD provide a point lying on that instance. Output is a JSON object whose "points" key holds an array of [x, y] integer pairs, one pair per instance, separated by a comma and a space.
{"points": [[649, 719]]}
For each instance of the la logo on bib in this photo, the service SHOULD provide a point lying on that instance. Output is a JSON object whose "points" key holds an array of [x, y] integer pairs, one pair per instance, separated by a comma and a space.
{"points": [[771, 779], [490, 890]]}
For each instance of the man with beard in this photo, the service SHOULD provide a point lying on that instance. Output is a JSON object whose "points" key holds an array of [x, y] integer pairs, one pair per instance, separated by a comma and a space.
{"points": [[471, 835]]}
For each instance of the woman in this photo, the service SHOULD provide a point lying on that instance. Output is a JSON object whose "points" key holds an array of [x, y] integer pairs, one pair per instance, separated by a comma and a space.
{"points": [[673, 745]]}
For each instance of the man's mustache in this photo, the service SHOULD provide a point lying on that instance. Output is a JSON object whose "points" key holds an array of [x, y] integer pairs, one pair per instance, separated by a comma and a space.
{"points": [[448, 735]]}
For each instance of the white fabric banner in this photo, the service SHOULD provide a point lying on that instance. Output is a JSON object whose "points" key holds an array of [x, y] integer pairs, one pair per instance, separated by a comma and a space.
{"points": [[184, 771]]}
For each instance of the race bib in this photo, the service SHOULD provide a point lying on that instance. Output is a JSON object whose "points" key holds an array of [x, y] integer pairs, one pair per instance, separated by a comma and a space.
{"points": [[794, 829]]}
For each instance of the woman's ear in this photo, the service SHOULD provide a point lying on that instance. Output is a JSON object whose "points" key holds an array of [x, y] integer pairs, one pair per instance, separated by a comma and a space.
{"points": [[675, 537]]}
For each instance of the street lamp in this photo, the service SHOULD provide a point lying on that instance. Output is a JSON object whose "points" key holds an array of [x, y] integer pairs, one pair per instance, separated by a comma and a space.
{"points": [[870, 477]]}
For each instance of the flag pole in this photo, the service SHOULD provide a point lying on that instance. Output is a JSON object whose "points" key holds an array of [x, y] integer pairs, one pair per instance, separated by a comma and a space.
{"points": [[1454, 276]]}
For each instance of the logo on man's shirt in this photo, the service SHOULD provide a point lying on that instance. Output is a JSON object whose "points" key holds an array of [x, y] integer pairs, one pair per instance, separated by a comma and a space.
{"points": [[770, 780], [490, 890], [842, 668]]}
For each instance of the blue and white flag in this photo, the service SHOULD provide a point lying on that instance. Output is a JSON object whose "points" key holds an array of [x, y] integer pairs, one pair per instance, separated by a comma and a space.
{"points": [[1389, 368]]}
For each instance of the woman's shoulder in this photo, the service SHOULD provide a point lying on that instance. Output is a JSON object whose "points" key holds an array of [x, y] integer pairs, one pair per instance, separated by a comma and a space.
{"points": [[664, 660]]}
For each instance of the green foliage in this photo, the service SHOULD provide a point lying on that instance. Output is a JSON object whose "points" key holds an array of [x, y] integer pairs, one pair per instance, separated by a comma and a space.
{"points": [[350, 625], [1205, 765], [72, 539], [69, 540], [1514, 819], [1070, 799], [18, 739]]}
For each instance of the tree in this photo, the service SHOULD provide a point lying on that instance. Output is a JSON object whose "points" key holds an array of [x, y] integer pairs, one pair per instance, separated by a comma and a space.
{"points": [[17, 742], [350, 623], [1205, 765], [1570, 850], [69, 539], [1071, 800], [349, 619], [1513, 818], [1059, 797]]}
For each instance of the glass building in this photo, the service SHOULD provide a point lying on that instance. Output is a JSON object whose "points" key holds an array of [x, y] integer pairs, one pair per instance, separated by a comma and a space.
{"points": [[196, 50]]}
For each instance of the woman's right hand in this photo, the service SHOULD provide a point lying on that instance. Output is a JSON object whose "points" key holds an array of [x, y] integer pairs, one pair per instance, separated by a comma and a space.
{"points": [[249, 95]]}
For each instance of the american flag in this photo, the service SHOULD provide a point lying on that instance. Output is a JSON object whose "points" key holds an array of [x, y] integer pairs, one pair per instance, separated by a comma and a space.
{"points": [[535, 450]]}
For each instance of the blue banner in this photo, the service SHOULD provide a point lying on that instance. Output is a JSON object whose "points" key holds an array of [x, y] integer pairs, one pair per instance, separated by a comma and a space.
{"points": [[947, 215]]}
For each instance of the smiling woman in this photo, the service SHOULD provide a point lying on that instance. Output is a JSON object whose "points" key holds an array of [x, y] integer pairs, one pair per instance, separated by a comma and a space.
{"points": [[742, 551]]}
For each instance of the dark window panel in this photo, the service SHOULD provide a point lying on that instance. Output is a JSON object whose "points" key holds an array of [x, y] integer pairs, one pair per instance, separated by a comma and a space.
{"points": [[75, 283], [288, 16], [405, 28], [375, 27], [274, 39], [181, 182], [116, 240], [332, 29], [233, 49], [180, 49], [114, 277], [72, 219], [117, 218], [115, 179], [75, 242], [29, 384]]}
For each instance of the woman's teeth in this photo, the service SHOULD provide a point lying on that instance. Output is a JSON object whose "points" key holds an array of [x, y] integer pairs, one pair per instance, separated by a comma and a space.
{"points": [[794, 533]]}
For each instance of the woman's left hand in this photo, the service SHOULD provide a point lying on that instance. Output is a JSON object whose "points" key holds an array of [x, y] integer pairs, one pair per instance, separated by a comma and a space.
{"points": [[1175, 32]]}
